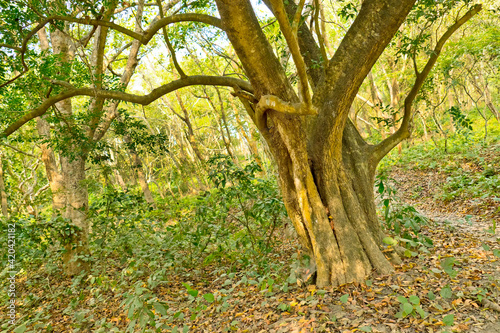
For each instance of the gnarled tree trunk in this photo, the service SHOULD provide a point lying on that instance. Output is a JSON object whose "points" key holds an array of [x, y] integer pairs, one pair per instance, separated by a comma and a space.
{"points": [[325, 172], [326, 169]]}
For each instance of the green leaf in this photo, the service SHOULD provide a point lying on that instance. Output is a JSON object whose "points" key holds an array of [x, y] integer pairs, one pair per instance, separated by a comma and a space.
{"points": [[389, 241], [344, 298], [421, 312], [446, 292], [431, 295], [486, 247], [365, 329], [160, 308], [448, 320], [381, 187], [209, 297], [407, 309], [447, 265], [402, 299], [414, 300], [20, 329], [283, 307], [496, 253], [193, 292]]}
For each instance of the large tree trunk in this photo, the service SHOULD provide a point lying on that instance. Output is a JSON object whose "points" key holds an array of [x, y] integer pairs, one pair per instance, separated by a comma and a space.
{"points": [[333, 208], [326, 170]]}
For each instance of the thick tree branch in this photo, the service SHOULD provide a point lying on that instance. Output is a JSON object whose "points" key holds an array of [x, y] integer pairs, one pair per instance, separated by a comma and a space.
{"points": [[404, 131], [98, 68], [318, 32], [145, 37], [269, 102], [132, 62], [291, 39], [122, 96], [364, 42], [297, 17], [309, 49]]}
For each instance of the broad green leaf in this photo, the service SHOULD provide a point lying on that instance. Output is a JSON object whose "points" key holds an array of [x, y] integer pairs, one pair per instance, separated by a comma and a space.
{"points": [[365, 329], [446, 292], [193, 292], [209, 297], [414, 300], [402, 299], [407, 309], [448, 320], [20, 329], [344, 298], [160, 308], [421, 312], [389, 241]]}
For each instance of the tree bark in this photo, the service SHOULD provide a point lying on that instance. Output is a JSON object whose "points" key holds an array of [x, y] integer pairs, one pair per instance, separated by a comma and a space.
{"points": [[326, 172]]}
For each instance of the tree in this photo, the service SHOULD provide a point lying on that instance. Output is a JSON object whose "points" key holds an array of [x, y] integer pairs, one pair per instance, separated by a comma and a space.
{"points": [[326, 169]]}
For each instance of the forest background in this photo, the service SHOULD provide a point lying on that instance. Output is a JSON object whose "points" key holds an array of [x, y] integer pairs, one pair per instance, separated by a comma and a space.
{"points": [[172, 212]]}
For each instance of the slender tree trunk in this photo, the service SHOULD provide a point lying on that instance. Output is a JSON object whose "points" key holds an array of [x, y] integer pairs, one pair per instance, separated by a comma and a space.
{"points": [[69, 195], [54, 176], [190, 135], [139, 170], [73, 175], [76, 212], [487, 94], [250, 143]]}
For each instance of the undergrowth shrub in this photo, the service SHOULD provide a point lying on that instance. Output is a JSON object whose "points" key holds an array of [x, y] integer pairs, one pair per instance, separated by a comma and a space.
{"points": [[400, 219]]}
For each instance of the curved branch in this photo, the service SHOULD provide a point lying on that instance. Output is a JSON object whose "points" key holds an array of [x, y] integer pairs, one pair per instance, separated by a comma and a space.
{"points": [[22, 50], [145, 37], [17, 149], [7, 46], [122, 96], [169, 45], [404, 131]]}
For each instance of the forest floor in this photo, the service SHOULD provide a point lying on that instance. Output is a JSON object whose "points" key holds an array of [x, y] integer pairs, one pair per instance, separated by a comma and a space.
{"points": [[452, 286]]}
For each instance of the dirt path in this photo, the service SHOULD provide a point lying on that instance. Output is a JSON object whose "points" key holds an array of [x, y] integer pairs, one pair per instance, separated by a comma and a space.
{"points": [[473, 219]]}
